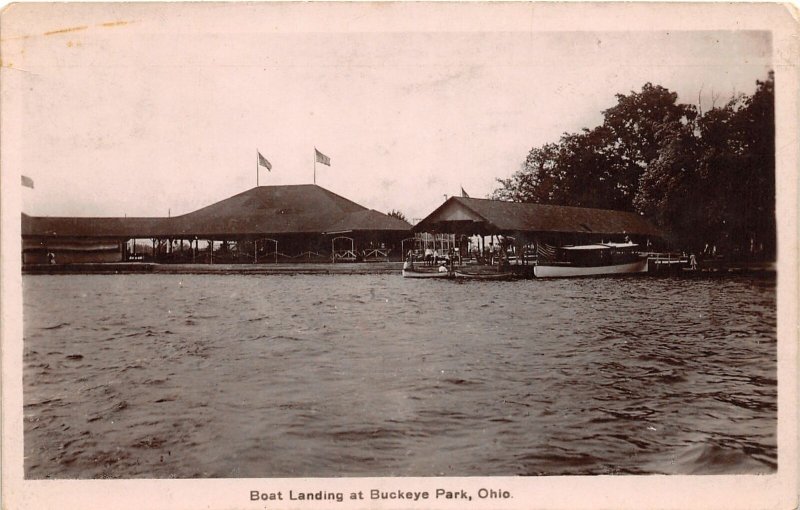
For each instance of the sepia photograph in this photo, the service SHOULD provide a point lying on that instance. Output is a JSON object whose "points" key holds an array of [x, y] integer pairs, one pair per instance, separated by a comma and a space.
{"points": [[399, 255]]}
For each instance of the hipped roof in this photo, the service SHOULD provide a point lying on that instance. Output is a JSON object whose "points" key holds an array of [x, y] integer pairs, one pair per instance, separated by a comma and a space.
{"points": [[265, 210], [482, 216]]}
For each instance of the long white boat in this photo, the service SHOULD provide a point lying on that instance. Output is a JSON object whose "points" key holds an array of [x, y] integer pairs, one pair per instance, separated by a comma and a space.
{"points": [[592, 260]]}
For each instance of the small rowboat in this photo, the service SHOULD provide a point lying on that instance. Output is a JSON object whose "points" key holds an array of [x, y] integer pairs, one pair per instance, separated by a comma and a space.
{"points": [[414, 273], [484, 276], [460, 275]]}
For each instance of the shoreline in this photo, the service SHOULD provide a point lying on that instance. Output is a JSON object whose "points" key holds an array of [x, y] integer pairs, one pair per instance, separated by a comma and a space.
{"points": [[155, 268], [345, 268]]}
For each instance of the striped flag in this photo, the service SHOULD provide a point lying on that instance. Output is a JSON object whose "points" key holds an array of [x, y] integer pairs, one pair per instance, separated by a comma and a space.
{"points": [[27, 182], [322, 158], [545, 252], [263, 162]]}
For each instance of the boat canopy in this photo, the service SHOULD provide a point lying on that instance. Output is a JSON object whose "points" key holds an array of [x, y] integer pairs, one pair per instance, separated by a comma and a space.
{"points": [[604, 246]]}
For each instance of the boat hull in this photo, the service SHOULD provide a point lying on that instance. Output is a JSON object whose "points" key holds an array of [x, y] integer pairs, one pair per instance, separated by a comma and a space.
{"points": [[484, 276], [425, 274], [545, 271]]}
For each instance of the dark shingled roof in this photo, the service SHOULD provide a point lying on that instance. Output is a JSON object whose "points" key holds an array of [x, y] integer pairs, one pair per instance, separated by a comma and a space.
{"points": [[368, 219], [507, 217], [305, 208], [53, 226]]}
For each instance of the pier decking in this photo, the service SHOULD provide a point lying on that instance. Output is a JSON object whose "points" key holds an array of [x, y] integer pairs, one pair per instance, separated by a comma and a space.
{"points": [[267, 269]]}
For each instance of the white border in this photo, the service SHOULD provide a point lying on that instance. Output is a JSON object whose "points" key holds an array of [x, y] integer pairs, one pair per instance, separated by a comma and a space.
{"points": [[556, 492]]}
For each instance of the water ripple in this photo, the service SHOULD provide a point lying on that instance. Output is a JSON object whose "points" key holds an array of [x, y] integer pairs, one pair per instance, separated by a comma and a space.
{"points": [[132, 376]]}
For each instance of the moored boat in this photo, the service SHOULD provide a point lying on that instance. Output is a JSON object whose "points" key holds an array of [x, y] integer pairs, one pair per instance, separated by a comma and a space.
{"points": [[463, 275], [593, 260], [434, 272]]}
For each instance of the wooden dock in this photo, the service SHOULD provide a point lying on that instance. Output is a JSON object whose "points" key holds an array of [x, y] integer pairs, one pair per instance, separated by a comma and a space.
{"points": [[145, 267]]}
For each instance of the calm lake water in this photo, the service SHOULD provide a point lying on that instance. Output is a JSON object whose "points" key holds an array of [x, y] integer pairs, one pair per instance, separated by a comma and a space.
{"points": [[158, 376]]}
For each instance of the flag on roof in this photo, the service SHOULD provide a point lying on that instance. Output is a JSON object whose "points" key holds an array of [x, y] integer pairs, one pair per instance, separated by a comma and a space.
{"points": [[464, 193], [27, 182], [263, 162], [322, 158]]}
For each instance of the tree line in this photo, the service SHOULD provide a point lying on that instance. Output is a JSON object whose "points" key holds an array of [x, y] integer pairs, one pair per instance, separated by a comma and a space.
{"points": [[706, 178]]}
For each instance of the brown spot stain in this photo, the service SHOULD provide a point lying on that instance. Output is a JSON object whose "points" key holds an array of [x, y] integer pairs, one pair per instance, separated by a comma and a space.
{"points": [[71, 29], [65, 30], [114, 23]]}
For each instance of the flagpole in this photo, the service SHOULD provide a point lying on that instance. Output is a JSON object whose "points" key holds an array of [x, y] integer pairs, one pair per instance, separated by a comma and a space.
{"points": [[315, 165], [256, 168]]}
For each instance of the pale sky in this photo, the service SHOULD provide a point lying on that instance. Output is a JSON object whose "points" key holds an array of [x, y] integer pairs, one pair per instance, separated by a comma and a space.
{"points": [[140, 109]]}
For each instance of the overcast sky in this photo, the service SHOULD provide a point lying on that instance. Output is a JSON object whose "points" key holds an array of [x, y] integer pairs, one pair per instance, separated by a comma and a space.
{"points": [[137, 110]]}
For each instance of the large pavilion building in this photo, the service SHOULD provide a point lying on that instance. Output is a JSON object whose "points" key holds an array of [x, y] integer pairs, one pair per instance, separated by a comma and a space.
{"points": [[294, 223]]}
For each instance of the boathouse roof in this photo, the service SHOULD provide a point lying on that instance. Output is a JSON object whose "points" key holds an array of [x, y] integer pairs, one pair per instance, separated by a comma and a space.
{"points": [[264, 210], [482, 216], [109, 227], [305, 208]]}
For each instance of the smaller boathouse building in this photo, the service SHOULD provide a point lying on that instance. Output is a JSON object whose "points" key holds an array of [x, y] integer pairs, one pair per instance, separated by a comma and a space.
{"points": [[526, 225]]}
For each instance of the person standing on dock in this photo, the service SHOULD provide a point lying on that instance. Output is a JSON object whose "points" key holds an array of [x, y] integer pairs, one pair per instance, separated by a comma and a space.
{"points": [[693, 262], [409, 262]]}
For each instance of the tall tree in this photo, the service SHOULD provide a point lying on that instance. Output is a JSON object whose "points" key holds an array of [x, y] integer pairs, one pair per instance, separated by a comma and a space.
{"points": [[634, 123], [668, 190], [397, 214], [740, 153], [709, 179], [599, 167]]}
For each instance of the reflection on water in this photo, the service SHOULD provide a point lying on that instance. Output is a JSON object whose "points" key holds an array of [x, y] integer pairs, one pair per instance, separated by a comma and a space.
{"points": [[274, 376]]}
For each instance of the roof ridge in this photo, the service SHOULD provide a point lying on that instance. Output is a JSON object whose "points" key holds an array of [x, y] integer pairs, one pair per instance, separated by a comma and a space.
{"points": [[329, 192], [100, 217], [548, 205]]}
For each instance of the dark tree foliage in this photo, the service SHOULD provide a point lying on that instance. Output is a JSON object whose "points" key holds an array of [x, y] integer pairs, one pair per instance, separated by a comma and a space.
{"points": [[397, 214], [708, 180]]}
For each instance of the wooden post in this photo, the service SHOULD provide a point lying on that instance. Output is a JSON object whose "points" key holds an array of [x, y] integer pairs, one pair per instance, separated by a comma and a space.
{"points": [[211, 251]]}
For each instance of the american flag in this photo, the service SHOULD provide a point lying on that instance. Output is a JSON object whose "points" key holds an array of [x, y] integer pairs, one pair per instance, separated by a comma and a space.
{"points": [[545, 252], [263, 162], [322, 158]]}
